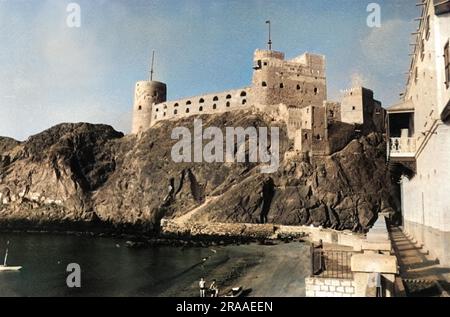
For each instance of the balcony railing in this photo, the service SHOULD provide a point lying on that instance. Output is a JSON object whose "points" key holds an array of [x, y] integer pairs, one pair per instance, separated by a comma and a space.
{"points": [[402, 147]]}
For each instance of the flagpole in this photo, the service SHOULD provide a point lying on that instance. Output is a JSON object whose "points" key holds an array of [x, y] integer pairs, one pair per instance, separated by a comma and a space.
{"points": [[270, 36]]}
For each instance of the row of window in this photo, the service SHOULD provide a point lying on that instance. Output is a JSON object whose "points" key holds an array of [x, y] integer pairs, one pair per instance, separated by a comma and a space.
{"points": [[316, 90], [318, 137], [200, 109], [243, 94]]}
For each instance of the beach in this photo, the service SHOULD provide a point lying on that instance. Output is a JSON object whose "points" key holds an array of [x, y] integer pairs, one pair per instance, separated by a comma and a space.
{"points": [[261, 270], [110, 267]]}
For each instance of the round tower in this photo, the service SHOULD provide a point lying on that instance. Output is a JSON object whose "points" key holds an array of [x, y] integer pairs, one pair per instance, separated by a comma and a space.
{"points": [[146, 94], [267, 67]]}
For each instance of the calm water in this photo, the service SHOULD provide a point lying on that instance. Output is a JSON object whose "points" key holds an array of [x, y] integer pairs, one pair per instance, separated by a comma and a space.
{"points": [[108, 268]]}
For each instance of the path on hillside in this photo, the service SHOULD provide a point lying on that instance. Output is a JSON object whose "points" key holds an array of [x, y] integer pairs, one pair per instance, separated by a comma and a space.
{"points": [[185, 219]]}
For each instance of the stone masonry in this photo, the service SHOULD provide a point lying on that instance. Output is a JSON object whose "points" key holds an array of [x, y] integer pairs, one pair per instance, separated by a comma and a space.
{"points": [[293, 91], [329, 287]]}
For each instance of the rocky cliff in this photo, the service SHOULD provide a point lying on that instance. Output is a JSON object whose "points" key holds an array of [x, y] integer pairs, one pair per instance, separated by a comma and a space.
{"points": [[91, 176]]}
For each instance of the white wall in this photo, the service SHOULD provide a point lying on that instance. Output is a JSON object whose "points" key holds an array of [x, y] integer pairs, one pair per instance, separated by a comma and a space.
{"points": [[426, 197]]}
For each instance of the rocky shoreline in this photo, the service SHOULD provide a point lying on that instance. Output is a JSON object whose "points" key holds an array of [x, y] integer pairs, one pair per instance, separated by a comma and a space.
{"points": [[171, 234], [87, 177]]}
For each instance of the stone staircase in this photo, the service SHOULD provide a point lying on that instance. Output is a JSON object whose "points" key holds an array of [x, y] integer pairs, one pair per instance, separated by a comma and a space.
{"points": [[421, 275]]}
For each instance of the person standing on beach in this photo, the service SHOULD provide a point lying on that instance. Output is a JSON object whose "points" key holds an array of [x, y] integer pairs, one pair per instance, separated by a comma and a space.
{"points": [[202, 285], [214, 289]]}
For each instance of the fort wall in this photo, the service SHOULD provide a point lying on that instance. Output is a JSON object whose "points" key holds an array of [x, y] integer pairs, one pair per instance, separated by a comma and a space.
{"points": [[319, 132], [313, 133], [277, 82], [333, 111], [352, 106], [293, 91], [204, 104], [360, 108]]}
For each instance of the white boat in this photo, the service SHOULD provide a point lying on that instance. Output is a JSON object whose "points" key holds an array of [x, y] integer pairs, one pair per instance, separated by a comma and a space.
{"points": [[4, 267]]}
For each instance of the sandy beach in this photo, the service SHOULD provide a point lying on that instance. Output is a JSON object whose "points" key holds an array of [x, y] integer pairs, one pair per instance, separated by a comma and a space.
{"points": [[262, 270]]}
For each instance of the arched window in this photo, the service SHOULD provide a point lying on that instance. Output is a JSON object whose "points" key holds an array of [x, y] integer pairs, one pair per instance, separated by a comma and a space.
{"points": [[264, 84], [187, 110], [298, 87], [201, 100], [281, 85], [228, 104], [176, 105], [316, 90], [157, 110], [140, 108], [244, 101], [243, 94], [188, 102], [214, 106], [175, 111], [216, 98], [228, 97], [306, 136], [200, 109], [164, 114]]}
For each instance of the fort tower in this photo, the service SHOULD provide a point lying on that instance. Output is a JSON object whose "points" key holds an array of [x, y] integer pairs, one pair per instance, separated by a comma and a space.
{"points": [[146, 94], [298, 82]]}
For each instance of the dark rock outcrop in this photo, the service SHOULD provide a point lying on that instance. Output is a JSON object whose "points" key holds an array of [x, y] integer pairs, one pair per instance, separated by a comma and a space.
{"points": [[87, 176]]}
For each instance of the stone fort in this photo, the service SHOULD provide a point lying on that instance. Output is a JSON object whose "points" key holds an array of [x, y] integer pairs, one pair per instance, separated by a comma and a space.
{"points": [[293, 91]]}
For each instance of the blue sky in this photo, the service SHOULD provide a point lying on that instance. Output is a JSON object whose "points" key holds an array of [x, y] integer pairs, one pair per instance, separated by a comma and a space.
{"points": [[50, 73]]}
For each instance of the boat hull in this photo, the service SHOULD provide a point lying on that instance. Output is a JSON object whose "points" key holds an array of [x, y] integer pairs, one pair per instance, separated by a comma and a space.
{"points": [[9, 268]]}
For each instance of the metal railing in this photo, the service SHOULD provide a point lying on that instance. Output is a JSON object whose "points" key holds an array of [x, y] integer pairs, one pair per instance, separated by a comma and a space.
{"points": [[331, 263]]}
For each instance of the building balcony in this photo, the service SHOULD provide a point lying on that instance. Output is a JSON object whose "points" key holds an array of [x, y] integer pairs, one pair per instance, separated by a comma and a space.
{"points": [[401, 143], [402, 147]]}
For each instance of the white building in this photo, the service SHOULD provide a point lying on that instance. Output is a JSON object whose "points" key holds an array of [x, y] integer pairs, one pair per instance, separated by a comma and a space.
{"points": [[419, 134]]}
